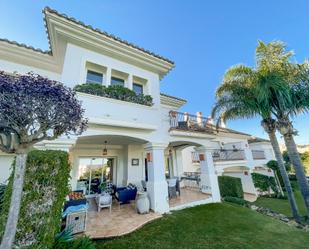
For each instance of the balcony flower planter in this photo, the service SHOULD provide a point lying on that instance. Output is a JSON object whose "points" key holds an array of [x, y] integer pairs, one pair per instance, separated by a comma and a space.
{"points": [[115, 92]]}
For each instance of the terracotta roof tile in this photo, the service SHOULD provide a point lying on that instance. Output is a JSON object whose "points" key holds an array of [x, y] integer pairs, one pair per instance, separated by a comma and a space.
{"points": [[47, 9], [25, 46]]}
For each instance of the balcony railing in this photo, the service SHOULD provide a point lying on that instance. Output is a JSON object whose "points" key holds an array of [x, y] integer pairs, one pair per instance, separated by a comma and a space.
{"points": [[185, 121], [228, 155], [258, 154]]}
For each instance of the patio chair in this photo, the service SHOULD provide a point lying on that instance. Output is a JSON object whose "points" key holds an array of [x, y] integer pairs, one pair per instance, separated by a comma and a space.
{"points": [[103, 201], [125, 195], [172, 192]]}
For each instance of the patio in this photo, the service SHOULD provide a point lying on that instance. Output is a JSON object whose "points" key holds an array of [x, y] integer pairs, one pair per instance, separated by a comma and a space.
{"points": [[106, 224], [188, 197]]}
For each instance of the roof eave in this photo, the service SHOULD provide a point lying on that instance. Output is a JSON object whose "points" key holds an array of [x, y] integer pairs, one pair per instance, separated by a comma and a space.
{"points": [[57, 23]]}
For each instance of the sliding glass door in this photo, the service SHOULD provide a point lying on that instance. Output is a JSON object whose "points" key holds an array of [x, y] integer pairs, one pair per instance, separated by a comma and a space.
{"points": [[92, 172]]}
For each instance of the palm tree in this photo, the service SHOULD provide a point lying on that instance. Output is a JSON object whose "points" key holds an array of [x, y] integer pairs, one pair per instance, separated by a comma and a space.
{"points": [[295, 88], [236, 98]]}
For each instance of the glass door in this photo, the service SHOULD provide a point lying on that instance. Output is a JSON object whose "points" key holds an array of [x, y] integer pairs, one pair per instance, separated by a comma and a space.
{"points": [[93, 171]]}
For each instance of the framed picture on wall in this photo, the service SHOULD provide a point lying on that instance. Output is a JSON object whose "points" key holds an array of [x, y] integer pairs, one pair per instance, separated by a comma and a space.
{"points": [[135, 162]]}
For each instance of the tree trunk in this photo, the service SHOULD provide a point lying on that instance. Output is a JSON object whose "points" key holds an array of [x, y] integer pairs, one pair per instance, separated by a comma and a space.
{"points": [[284, 174], [298, 167], [12, 220]]}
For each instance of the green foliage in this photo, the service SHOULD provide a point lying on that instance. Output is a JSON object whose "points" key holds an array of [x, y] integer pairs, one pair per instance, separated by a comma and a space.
{"points": [[304, 158], [115, 92], [273, 164], [45, 187], [230, 186], [265, 183], [78, 243], [215, 226], [6, 204], [236, 200], [2, 191]]}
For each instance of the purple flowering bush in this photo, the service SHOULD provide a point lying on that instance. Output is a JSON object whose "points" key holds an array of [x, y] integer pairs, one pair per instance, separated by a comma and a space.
{"points": [[32, 109]]}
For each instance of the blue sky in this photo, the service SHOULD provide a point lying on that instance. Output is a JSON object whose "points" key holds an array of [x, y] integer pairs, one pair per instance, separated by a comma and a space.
{"points": [[204, 38]]}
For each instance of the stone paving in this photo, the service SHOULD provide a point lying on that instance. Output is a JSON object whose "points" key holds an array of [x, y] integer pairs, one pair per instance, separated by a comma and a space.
{"points": [[124, 220]]}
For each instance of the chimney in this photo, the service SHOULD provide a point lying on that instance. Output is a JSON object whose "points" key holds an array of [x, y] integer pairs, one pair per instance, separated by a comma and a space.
{"points": [[199, 116], [210, 120], [186, 117]]}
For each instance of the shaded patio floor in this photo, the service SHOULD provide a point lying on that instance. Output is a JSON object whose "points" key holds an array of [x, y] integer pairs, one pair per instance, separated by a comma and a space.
{"points": [[187, 196], [105, 224]]}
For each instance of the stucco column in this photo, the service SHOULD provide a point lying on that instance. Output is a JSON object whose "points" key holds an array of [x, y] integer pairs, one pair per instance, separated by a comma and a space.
{"points": [[108, 76], [209, 179], [157, 185], [130, 82], [248, 153]]}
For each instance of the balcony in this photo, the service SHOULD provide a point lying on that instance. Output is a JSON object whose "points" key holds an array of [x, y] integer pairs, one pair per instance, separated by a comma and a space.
{"points": [[188, 122], [116, 113], [228, 155], [258, 155], [222, 155]]}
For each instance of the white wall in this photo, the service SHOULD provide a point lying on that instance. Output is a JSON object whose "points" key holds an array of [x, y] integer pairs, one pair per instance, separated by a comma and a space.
{"points": [[188, 166], [135, 173], [12, 67], [77, 57]]}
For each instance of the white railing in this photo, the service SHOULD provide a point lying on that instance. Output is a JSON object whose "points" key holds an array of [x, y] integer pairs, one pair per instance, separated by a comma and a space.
{"points": [[258, 154], [228, 155]]}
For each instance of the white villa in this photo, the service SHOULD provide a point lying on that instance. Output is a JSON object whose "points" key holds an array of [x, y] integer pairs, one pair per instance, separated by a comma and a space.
{"points": [[131, 142]]}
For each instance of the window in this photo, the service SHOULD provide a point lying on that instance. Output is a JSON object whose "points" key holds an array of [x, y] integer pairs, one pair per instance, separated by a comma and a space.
{"points": [[117, 82], [138, 88], [94, 77]]}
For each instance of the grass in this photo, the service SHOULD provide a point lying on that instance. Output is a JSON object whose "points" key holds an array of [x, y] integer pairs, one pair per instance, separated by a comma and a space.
{"points": [[282, 206], [215, 226]]}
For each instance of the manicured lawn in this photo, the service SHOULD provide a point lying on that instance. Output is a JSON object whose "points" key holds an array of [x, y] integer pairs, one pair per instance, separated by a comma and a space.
{"points": [[215, 226], [283, 206]]}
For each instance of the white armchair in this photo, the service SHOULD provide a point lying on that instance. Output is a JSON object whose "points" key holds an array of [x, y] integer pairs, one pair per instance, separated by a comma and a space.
{"points": [[104, 200]]}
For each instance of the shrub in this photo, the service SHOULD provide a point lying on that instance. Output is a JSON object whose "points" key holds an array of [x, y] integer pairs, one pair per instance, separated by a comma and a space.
{"points": [[2, 191], [230, 186], [236, 200], [115, 92], [78, 243], [265, 183], [273, 164], [45, 187]]}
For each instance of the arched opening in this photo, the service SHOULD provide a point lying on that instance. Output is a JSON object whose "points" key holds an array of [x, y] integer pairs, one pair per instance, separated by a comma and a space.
{"points": [[182, 162], [110, 159]]}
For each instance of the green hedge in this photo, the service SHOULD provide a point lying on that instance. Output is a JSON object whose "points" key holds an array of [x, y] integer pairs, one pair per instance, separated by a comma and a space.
{"points": [[45, 187], [264, 183], [115, 92], [2, 190], [230, 186], [236, 200]]}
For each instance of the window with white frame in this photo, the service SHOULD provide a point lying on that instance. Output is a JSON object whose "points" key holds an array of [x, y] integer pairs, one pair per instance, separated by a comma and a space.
{"points": [[94, 77], [117, 81], [138, 88]]}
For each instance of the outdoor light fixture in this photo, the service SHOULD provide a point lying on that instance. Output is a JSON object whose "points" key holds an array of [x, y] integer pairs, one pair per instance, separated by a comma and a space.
{"points": [[105, 149]]}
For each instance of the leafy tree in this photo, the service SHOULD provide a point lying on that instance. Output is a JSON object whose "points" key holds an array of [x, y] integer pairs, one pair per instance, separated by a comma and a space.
{"points": [[241, 95], [304, 158], [291, 100], [32, 109], [273, 164]]}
